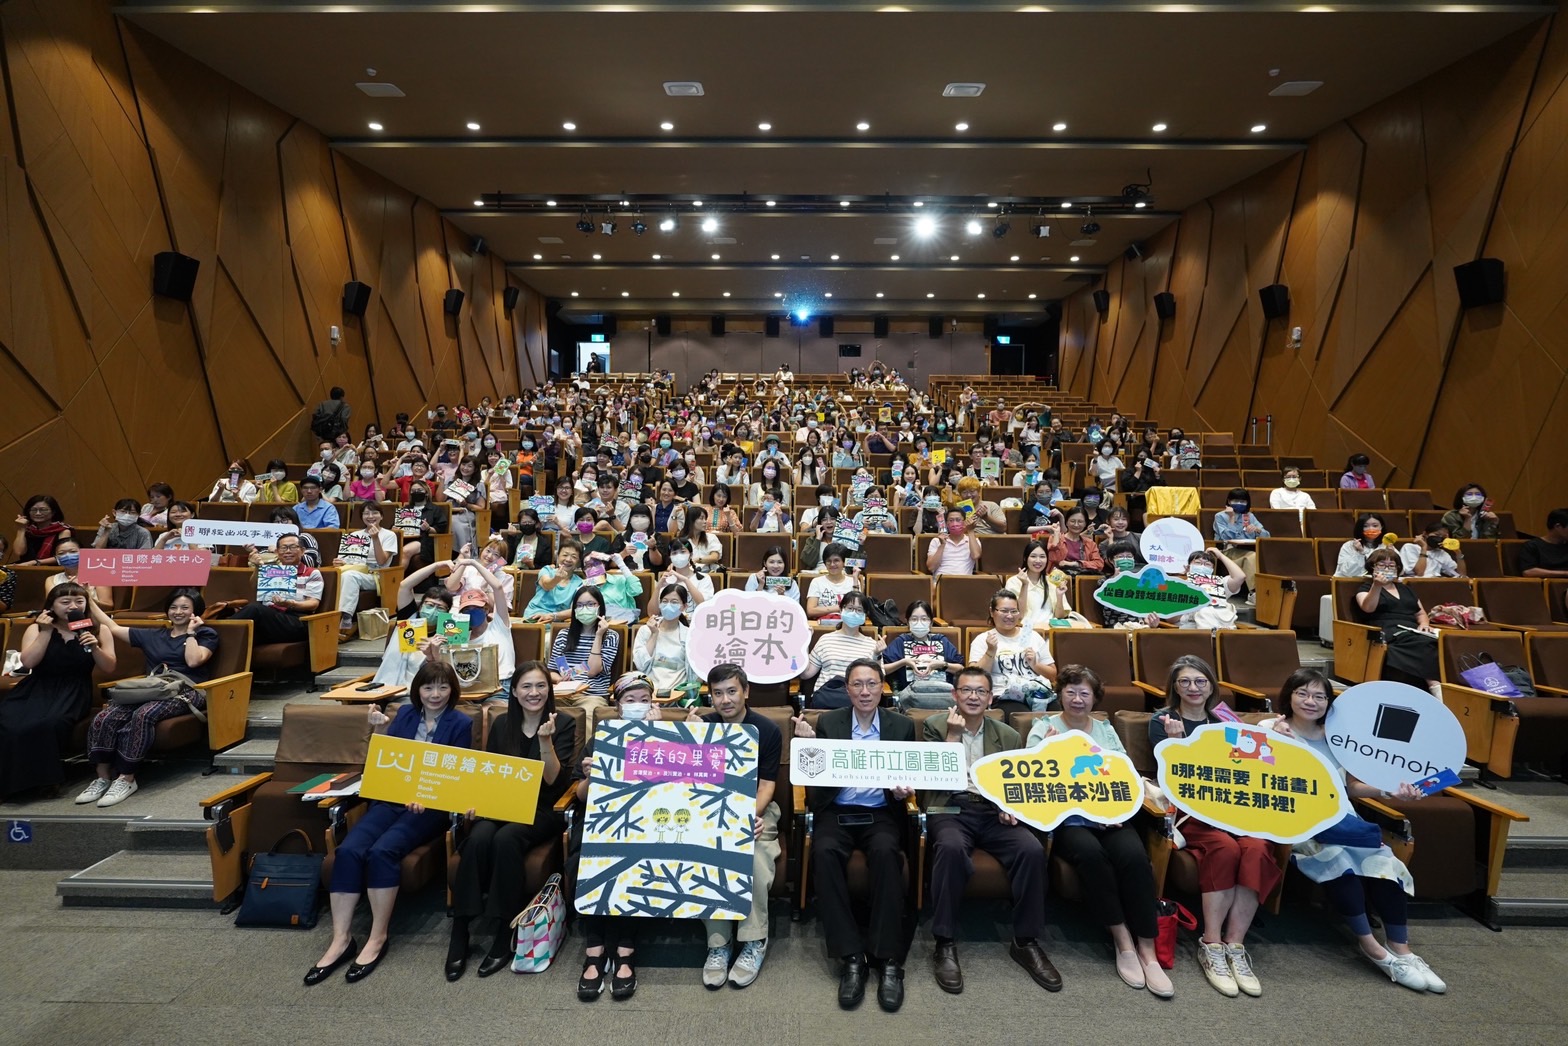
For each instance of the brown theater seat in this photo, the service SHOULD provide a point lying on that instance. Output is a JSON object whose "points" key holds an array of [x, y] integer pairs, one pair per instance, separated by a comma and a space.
{"points": [[1517, 603], [1289, 584], [1108, 652]]}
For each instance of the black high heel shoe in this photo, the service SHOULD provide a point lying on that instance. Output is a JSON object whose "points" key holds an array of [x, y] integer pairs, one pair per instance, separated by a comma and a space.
{"points": [[359, 971], [317, 974], [589, 990], [623, 988]]}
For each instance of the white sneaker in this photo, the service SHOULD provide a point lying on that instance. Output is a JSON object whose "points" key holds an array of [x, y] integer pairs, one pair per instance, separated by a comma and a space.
{"points": [[1400, 970], [1215, 966], [749, 963], [716, 968], [118, 792], [1434, 983], [93, 792], [1241, 970]]}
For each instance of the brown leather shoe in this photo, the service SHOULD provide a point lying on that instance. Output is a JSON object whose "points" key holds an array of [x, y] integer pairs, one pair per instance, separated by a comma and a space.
{"points": [[1033, 959], [945, 965]]}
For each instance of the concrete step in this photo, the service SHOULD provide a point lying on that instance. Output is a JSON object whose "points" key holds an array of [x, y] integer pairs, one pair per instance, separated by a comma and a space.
{"points": [[167, 835], [1536, 852], [253, 756], [1532, 897], [138, 879]]}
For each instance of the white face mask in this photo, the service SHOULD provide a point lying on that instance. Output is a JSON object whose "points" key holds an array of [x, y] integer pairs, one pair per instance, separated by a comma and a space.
{"points": [[680, 560], [125, 519], [326, 455], [920, 629], [635, 709]]}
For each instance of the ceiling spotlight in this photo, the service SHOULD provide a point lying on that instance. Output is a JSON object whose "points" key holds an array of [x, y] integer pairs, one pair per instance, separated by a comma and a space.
{"points": [[862, 126], [802, 315], [715, 257], [1158, 128], [894, 258], [952, 257], [764, 126], [778, 294], [675, 294], [930, 294], [1013, 258], [574, 294], [832, 257], [696, 203], [598, 257], [666, 126], [960, 126], [1140, 205], [585, 224], [538, 257], [1089, 227], [568, 126], [991, 204], [726, 294], [925, 226], [843, 203], [638, 226], [1032, 297], [373, 126], [608, 227], [1058, 126], [1003, 227], [669, 223], [1259, 128], [710, 225], [626, 294], [979, 295], [771, 203], [472, 126], [827, 294], [972, 227], [879, 294], [657, 257], [479, 203], [775, 257], [1073, 258], [549, 203], [920, 203]]}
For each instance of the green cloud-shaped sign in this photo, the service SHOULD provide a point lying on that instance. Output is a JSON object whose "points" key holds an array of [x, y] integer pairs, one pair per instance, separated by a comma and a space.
{"points": [[1150, 592]]}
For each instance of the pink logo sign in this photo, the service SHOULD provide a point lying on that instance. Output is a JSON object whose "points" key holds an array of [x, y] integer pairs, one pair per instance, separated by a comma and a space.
{"points": [[673, 761], [127, 566], [763, 633]]}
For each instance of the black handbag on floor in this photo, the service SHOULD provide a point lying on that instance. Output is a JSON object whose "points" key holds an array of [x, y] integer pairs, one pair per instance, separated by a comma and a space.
{"points": [[283, 889]]}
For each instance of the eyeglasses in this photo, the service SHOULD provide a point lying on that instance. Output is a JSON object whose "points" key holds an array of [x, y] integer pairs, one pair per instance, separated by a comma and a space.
{"points": [[1309, 694], [974, 691], [1192, 684], [1006, 612]]}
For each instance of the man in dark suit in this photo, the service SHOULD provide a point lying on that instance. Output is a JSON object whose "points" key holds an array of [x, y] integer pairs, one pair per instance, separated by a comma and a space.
{"points": [[873, 821], [962, 821]]}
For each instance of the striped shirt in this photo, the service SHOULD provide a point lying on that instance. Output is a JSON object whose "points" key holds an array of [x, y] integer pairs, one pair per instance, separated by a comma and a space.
{"points": [[576, 659], [834, 651]]}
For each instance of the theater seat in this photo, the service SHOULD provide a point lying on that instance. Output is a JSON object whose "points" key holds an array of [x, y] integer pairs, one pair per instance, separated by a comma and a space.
{"points": [[318, 651], [1108, 652]]}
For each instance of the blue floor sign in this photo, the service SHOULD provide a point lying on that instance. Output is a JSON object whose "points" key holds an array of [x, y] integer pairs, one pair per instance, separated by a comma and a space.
{"points": [[19, 832]]}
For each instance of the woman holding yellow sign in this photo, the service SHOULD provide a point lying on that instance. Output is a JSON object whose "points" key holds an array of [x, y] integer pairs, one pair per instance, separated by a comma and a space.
{"points": [[1234, 872], [1350, 860], [368, 860]]}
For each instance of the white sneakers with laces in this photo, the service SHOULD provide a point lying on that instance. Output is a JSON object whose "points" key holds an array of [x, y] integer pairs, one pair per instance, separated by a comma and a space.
{"points": [[1401, 970], [1434, 983], [749, 963], [1216, 968], [1241, 970], [716, 968], [118, 792], [93, 792]]}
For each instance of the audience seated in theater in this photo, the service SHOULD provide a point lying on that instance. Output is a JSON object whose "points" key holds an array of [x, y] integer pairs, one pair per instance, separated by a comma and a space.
{"points": [[43, 526], [1110, 860], [1072, 547], [40, 713], [67, 557], [1022, 670], [310, 553], [155, 513], [659, 648], [1039, 600], [830, 586], [1472, 516], [919, 663], [419, 539], [1237, 531], [1547, 556], [360, 555], [121, 528], [832, 652], [313, 511], [274, 484], [1390, 604], [582, 655], [957, 551], [276, 616], [1366, 536], [1350, 861], [368, 859], [1289, 493], [1204, 568], [239, 485], [1357, 475], [774, 575], [1434, 555], [179, 512], [120, 735], [682, 571]]}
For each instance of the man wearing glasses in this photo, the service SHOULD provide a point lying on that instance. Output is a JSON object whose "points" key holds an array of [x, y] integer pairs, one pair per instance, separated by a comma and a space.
{"points": [[871, 820], [961, 822]]}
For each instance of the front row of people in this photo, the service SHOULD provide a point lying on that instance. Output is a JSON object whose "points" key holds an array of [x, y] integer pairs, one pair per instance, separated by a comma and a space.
{"points": [[1109, 861]]}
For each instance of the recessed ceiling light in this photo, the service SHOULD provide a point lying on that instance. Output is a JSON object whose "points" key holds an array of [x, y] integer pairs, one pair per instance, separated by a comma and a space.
{"points": [[833, 257], [979, 295], [373, 126], [574, 294], [1032, 297], [960, 126], [1067, 203], [1158, 128], [925, 226], [726, 294], [775, 257], [930, 294], [1073, 258], [879, 294], [862, 126], [1058, 126], [568, 126], [772, 203], [764, 126], [777, 294], [538, 257], [656, 257], [1013, 258], [666, 126], [675, 294], [895, 257], [626, 294], [715, 257], [549, 203], [479, 203], [843, 203], [1259, 128], [710, 225], [827, 294], [472, 126], [972, 227], [920, 203], [952, 257], [598, 257], [696, 203], [991, 204], [1140, 205]]}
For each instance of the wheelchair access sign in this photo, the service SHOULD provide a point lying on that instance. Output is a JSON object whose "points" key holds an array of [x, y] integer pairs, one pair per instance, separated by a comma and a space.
{"points": [[19, 831]]}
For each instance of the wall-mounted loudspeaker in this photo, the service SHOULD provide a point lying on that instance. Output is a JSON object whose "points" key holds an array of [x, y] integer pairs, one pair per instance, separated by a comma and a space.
{"points": [[356, 298], [662, 322], [770, 326], [716, 326], [1102, 301], [509, 297], [454, 302], [824, 326], [1480, 282], [1165, 305], [879, 327], [934, 327], [1276, 300], [174, 275]]}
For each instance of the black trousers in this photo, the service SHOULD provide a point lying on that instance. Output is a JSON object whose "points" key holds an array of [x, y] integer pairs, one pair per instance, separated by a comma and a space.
{"points": [[272, 626], [1113, 867], [882, 841], [954, 838], [490, 874]]}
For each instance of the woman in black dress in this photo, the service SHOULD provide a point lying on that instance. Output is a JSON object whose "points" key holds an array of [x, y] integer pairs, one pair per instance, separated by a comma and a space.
{"points": [[37, 719], [1394, 608], [490, 875]]}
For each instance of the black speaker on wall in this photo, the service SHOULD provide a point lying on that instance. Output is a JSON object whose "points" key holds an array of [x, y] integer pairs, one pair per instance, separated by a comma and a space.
{"points": [[824, 326], [716, 326], [1276, 300], [934, 326], [454, 302], [662, 323], [174, 275], [356, 298], [1481, 282], [770, 326], [1102, 301], [509, 297], [1165, 305], [610, 326], [879, 327]]}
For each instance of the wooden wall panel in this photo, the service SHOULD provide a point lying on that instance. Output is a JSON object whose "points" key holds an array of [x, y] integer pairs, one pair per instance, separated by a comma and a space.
{"points": [[120, 147], [1364, 228]]}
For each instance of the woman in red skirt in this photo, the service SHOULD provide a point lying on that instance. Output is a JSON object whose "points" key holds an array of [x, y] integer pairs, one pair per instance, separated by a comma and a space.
{"points": [[1234, 872]]}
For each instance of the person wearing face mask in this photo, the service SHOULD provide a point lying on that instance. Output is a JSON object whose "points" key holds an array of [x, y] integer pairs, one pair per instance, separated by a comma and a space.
{"points": [[1435, 555], [832, 652], [1358, 474], [361, 554], [666, 455], [680, 476], [810, 470], [274, 484], [1289, 495], [1368, 536], [826, 497], [558, 585], [769, 483], [1238, 531], [877, 516], [956, 552], [532, 551], [369, 857], [582, 655], [68, 557], [683, 571], [331, 482], [524, 459], [594, 534], [419, 537], [1105, 465], [1471, 517], [1383, 600], [1018, 659], [1217, 575], [323, 457], [920, 663], [659, 649], [846, 452], [236, 485], [490, 872], [465, 492], [1040, 511], [1124, 557], [39, 714], [1182, 451], [122, 529]]}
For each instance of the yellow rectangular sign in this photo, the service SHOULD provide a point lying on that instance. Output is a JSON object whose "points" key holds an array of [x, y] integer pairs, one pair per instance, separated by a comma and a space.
{"points": [[456, 780]]}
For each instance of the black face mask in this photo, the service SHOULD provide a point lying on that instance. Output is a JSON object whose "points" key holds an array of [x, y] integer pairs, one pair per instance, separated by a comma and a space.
{"points": [[527, 528], [415, 497]]}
